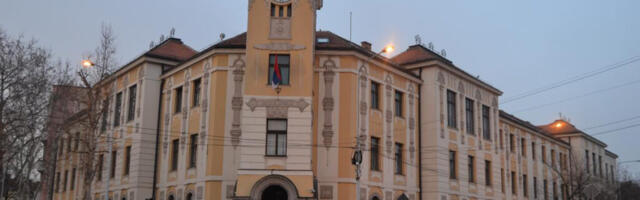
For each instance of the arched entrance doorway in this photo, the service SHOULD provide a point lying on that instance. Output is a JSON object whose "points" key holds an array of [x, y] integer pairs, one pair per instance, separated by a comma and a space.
{"points": [[275, 192], [274, 187]]}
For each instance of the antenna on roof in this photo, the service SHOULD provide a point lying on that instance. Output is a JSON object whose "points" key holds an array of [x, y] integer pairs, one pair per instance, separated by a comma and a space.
{"points": [[431, 46], [222, 35], [418, 39], [172, 32], [350, 25], [443, 53], [151, 45]]}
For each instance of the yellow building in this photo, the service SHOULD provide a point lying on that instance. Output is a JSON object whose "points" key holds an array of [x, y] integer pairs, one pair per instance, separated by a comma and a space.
{"points": [[279, 111]]}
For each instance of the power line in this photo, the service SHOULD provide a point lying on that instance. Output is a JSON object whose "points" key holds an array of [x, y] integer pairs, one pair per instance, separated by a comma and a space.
{"points": [[614, 130], [573, 79], [614, 122], [579, 96]]}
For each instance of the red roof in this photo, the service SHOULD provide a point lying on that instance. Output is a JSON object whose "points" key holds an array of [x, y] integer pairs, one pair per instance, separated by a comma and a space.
{"points": [[560, 127], [172, 49], [415, 54]]}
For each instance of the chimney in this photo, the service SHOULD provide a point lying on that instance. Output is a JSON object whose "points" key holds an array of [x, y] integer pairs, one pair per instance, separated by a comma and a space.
{"points": [[366, 45]]}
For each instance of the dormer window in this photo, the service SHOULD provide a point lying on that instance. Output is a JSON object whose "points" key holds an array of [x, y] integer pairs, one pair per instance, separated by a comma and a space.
{"points": [[278, 10]]}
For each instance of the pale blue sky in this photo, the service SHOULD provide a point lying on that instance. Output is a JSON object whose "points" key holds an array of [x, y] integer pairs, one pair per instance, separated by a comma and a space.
{"points": [[517, 46]]}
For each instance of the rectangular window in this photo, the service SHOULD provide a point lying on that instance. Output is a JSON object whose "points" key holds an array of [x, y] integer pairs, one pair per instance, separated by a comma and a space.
{"points": [[545, 189], [524, 185], [174, 154], [57, 182], [398, 155], [487, 173], [276, 137], [553, 158], [535, 187], [283, 63], [469, 110], [513, 183], [502, 179], [544, 154], [398, 103], [289, 10], [105, 115], [375, 151], [501, 140], [196, 93], [452, 165], [533, 150], [116, 118], [76, 144], [70, 139], [273, 10], [131, 113], [66, 177], [555, 194], [594, 163], [451, 109], [471, 168], [193, 152], [127, 160], [100, 166], [586, 154], [178, 98], [280, 11], [73, 179], [114, 156], [523, 146], [512, 145], [375, 90], [486, 123]]}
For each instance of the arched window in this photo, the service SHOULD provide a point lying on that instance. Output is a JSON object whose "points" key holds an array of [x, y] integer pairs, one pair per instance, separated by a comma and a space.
{"points": [[189, 196], [171, 197], [403, 197], [375, 198]]}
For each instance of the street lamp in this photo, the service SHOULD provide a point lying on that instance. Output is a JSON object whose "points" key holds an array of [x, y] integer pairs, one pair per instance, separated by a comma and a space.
{"points": [[86, 63]]}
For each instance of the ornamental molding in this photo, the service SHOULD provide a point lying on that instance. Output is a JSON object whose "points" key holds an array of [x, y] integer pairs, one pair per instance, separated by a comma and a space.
{"points": [[236, 102], [328, 102], [279, 47], [440, 78], [254, 103]]}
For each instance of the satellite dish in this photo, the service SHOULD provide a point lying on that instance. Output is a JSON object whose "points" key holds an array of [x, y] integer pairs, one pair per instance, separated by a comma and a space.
{"points": [[222, 35], [431, 46], [151, 45], [172, 32], [161, 37], [443, 53], [418, 39]]}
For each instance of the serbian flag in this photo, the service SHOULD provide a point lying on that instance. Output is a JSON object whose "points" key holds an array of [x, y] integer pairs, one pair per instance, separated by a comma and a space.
{"points": [[276, 78]]}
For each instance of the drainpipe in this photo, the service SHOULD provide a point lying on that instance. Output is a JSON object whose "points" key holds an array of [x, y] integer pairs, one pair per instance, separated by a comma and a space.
{"points": [[420, 136], [155, 161]]}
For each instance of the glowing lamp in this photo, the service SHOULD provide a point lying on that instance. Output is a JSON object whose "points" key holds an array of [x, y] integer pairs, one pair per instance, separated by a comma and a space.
{"points": [[388, 49], [87, 63], [559, 125]]}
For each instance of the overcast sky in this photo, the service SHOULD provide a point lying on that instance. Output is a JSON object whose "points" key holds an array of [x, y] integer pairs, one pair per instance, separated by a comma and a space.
{"points": [[517, 46]]}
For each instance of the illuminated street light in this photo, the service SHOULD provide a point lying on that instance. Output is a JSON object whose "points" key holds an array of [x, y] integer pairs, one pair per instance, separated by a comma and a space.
{"points": [[87, 63], [388, 49]]}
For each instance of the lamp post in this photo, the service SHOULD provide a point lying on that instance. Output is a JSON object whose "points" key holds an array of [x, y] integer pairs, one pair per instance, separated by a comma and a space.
{"points": [[86, 63], [357, 154]]}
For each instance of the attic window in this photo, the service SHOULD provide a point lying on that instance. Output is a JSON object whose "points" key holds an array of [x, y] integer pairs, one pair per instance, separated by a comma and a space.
{"points": [[323, 40]]}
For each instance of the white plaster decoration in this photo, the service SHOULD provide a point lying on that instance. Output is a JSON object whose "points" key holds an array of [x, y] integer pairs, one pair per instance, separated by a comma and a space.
{"points": [[328, 102], [205, 103], [280, 29], [236, 102], [441, 110], [389, 114], [279, 47], [363, 106], [185, 109], [277, 108], [411, 121], [461, 87], [478, 95], [440, 78], [167, 116], [139, 92]]}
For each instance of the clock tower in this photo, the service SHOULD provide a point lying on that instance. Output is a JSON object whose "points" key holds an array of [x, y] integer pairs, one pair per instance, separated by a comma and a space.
{"points": [[277, 101]]}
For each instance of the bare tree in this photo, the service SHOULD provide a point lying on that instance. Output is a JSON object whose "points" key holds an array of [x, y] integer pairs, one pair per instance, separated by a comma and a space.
{"points": [[578, 183], [25, 78], [92, 119]]}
